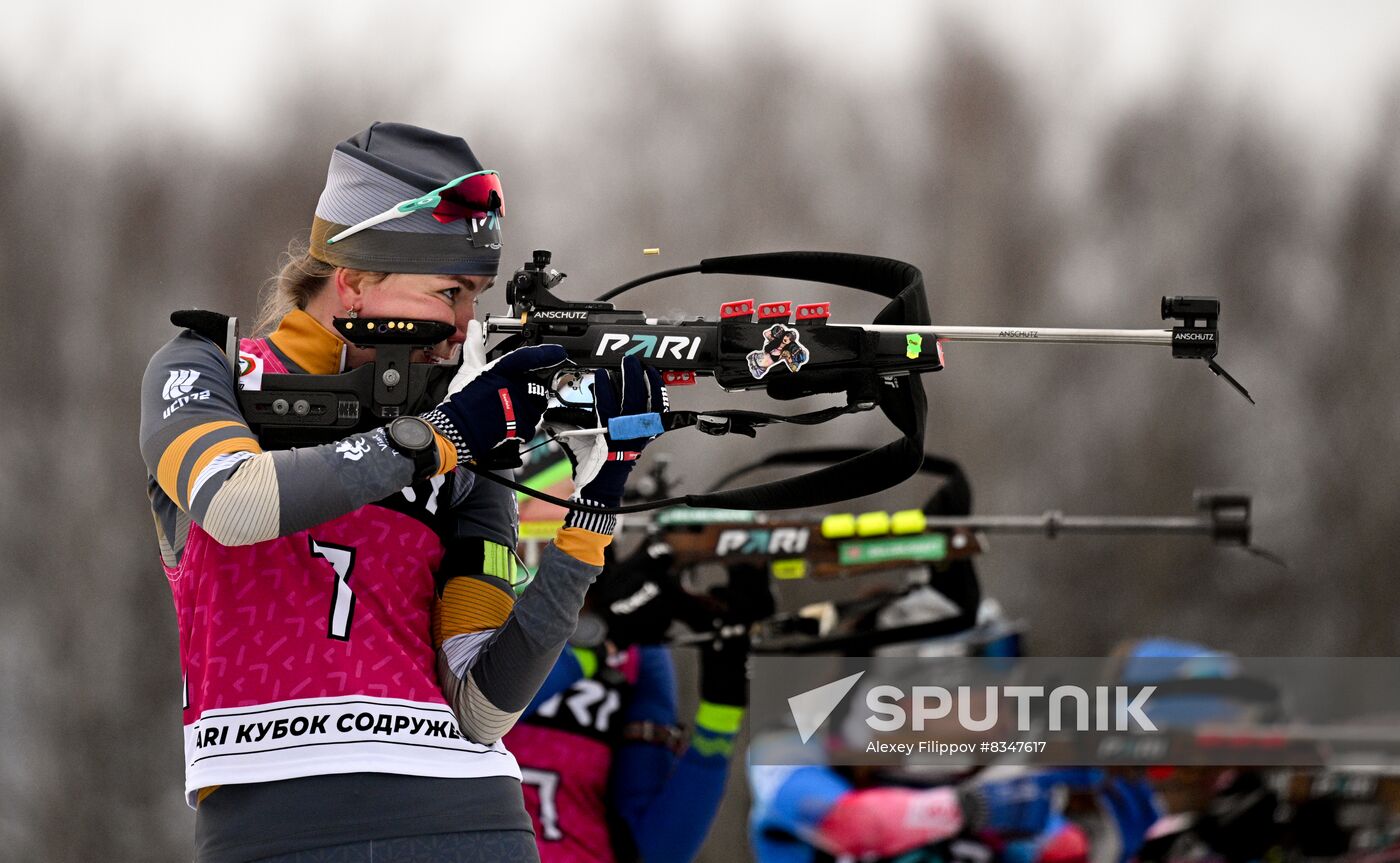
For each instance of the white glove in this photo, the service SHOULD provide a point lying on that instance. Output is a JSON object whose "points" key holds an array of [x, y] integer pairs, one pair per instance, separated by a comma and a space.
{"points": [[588, 452]]}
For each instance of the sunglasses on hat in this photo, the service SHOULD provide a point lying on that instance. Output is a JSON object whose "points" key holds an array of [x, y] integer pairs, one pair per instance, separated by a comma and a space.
{"points": [[476, 196]]}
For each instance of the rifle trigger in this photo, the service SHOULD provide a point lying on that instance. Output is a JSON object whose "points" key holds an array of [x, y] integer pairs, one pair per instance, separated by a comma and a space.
{"points": [[712, 425], [717, 425]]}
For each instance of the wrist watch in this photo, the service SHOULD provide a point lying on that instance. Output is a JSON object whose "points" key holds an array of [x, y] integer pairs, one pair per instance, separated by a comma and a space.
{"points": [[413, 437]]}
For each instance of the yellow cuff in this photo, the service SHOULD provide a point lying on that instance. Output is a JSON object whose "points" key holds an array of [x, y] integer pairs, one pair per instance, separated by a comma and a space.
{"points": [[470, 604], [447, 454], [587, 661], [720, 718], [584, 545]]}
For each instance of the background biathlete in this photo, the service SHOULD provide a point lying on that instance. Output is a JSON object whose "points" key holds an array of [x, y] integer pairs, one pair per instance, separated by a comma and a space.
{"points": [[608, 772]]}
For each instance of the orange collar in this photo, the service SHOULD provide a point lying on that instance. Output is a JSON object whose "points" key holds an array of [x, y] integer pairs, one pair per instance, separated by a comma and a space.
{"points": [[309, 344]]}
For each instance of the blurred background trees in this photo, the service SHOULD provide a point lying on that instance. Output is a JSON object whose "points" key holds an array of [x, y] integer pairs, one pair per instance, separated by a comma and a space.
{"points": [[970, 166]]}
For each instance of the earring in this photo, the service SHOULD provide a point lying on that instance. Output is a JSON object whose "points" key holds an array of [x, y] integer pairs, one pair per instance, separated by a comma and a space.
{"points": [[353, 313]]}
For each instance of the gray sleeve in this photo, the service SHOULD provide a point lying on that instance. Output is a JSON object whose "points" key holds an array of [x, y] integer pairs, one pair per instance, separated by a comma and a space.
{"points": [[489, 687], [207, 461], [486, 510]]}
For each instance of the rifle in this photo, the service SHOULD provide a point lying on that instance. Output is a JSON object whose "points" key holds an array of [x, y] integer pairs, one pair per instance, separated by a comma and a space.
{"points": [[842, 544], [845, 545], [837, 545], [791, 352]]}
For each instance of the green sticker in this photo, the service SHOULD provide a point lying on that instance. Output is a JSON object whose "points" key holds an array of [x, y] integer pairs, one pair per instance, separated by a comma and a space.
{"points": [[789, 568], [929, 546], [702, 515], [913, 345]]}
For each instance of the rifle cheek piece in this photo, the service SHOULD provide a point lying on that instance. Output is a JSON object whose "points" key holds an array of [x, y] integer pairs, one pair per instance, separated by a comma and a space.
{"points": [[307, 410]]}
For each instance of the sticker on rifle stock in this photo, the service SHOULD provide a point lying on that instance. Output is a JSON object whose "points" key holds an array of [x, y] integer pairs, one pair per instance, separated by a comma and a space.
{"points": [[683, 515], [250, 372], [788, 569], [778, 540], [932, 546], [781, 346]]}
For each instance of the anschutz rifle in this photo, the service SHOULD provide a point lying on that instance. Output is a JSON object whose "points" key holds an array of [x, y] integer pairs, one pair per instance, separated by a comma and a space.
{"points": [[788, 352], [795, 351], [939, 537], [597, 335], [838, 545], [842, 545]]}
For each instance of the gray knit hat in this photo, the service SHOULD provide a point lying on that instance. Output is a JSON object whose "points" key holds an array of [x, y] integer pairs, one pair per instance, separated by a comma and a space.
{"points": [[393, 175]]}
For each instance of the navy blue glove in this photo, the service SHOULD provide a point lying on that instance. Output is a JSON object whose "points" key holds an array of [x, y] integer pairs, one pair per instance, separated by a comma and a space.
{"points": [[602, 464], [744, 599], [498, 405], [637, 597]]}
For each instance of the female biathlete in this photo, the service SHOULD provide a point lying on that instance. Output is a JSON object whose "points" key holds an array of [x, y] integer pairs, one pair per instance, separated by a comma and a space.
{"points": [[351, 650]]}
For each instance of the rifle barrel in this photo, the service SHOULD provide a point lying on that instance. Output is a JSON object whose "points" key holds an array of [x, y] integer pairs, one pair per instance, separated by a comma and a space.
{"points": [[1050, 523], [1053, 523], [1048, 335]]}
